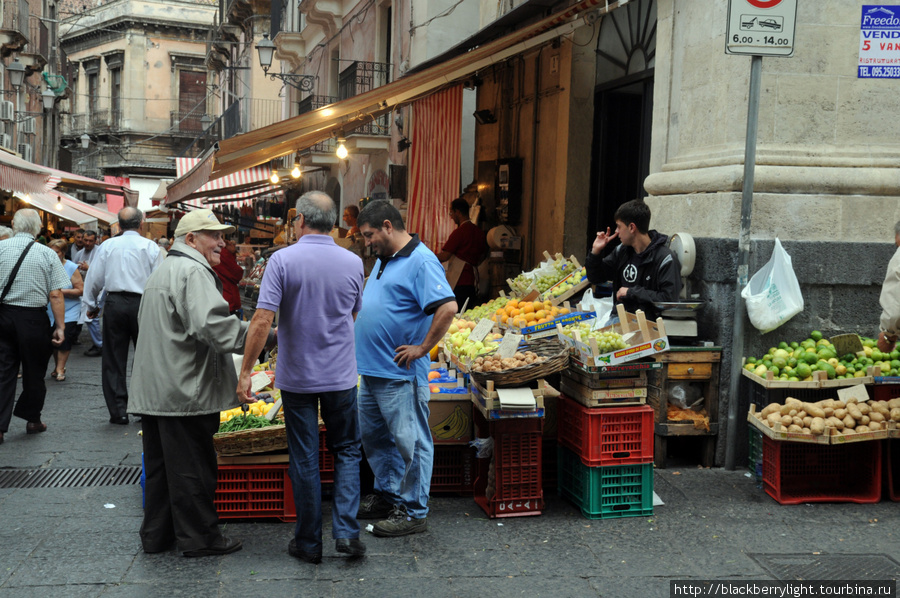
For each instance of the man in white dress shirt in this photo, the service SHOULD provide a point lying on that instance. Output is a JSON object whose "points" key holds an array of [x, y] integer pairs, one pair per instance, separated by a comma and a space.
{"points": [[121, 269], [83, 256]]}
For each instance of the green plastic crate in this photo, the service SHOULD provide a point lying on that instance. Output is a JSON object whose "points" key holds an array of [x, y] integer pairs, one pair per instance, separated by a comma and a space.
{"points": [[605, 492]]}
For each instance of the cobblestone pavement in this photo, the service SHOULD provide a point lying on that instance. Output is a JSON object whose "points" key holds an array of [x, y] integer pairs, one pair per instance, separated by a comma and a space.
{"points": [[78, 542]]}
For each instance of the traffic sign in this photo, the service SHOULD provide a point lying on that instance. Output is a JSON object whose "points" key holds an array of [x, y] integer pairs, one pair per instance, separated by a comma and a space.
{"points": [[761, 27]]}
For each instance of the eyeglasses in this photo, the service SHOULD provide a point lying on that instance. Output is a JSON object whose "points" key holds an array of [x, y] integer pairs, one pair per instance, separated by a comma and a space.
{"points": [[295, 218]]}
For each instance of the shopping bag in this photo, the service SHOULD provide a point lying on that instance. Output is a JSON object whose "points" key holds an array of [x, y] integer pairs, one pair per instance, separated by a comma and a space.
{"points": [[773, 294]]}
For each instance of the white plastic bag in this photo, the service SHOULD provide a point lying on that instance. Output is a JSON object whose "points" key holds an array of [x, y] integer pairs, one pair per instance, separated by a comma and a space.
{"points": [[773, 294]]}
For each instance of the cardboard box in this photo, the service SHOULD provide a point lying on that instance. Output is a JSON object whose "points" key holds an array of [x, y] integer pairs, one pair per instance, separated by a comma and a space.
{"points": [[450, 420], [487, 401], [549, 328], [650, 339]]}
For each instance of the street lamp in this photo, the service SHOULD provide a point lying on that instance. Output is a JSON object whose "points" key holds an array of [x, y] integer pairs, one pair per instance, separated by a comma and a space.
{"points": [[48, 98], [16, 72], [206, 122], [266, 50], [85, 141]]}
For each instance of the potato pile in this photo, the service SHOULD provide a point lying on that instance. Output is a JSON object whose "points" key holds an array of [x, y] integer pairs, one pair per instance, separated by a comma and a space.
{"points": [[493, 363], [814, 418]]}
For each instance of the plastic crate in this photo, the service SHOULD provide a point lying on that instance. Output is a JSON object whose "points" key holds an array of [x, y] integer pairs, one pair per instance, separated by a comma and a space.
{"points": [[604, 436], [518, 467], [251, 491], [453, 469], [754, 463], [605, 492], [795, 473], [892, 461], [884, 392], [761, 396], [326, 461]]}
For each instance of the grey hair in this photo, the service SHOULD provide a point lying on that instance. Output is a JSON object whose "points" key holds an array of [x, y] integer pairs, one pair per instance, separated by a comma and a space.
{"points": [[163, 242], [318, 209], [130, 218], [27, 220], [5, 232]]}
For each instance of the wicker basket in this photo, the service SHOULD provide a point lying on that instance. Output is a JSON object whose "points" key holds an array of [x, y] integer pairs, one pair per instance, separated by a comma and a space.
{"points": [[247, 442], [557, 360]]}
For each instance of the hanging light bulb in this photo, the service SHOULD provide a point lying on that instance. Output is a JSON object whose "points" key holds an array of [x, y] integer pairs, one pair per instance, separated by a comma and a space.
{"points": [[274, 178], [342, 152], [59, 205], [296, 172], [26, 198]]}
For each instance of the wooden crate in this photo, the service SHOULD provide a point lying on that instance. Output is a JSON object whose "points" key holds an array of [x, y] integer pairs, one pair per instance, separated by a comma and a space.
{"points": [[609, 397]]}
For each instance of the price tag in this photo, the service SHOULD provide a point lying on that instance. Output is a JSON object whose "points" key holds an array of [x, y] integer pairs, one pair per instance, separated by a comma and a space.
{"points": [[259, 381], [857, 392], [481, 330], [509, 345]]}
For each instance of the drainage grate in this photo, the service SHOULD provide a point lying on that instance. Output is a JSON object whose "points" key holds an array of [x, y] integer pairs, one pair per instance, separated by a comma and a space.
{"points": [[837, 567], [79, 477]]}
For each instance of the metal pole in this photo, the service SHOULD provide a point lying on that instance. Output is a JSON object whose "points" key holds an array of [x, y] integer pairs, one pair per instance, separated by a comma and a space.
{"points": [[737, 338]]}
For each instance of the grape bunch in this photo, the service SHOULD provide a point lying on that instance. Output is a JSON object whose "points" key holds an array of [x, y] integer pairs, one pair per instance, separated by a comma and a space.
{"points": [[544, 277], [487, 310], [606, 340]]}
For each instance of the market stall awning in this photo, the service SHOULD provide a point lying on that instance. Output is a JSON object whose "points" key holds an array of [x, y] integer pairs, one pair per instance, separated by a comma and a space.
{"points": [[21, 176], [50, 203], [300, 132], [93, 211], [77, 181], [236, 186]]}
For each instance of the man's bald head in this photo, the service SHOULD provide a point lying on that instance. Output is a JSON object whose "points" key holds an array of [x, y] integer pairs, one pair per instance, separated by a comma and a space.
{"points": [[130, 218], [318, 211]]}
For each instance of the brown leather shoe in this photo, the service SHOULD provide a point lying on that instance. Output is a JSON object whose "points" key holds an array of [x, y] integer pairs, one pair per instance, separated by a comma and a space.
{"points": [[35, 427]]}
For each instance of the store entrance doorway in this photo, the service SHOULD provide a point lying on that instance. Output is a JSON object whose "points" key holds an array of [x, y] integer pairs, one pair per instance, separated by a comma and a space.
{"points": [[620, 157]]}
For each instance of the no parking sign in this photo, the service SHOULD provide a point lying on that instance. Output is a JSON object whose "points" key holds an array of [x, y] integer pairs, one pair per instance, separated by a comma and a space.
{"points": [[761, 27]]}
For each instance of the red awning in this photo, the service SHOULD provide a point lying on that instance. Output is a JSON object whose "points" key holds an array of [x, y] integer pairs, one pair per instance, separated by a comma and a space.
{"points": [[243, 184], [19, 175]]}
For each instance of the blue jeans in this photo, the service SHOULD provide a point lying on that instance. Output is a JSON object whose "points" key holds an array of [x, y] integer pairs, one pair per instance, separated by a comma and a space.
{"points": [[393, 420], [342, 439]]}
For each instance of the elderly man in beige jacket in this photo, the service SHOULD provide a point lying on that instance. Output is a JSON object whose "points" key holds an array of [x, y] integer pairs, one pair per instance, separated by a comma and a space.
{"points": [[183, 376]]}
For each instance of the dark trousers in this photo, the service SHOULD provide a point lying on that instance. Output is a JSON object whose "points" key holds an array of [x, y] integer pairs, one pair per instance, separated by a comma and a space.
{"points": [[120, 327], [341, 418], [180, 487], [24, 339]]}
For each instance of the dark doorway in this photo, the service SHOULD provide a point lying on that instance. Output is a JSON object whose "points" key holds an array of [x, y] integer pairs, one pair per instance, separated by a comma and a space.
{"points": [[620, 156]]}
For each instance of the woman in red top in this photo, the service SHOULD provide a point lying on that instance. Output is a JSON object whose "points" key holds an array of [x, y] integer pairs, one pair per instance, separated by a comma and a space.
{"points": [[230, 273]]}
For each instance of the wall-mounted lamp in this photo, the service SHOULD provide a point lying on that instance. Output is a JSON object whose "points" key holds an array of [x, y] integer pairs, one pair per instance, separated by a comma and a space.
{"points": [[403, 144], [48, 98], [266, 50], [16, 72], [484, 117], [85, 141], [341, 151]]}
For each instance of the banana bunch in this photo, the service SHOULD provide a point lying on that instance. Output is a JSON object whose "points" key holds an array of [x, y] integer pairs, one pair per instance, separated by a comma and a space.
{"points": [[456, 425]]}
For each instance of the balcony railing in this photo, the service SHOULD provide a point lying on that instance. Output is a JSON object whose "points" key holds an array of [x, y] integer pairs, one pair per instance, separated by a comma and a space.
{"points": [[264, 112], [314, 102], [15, 16], [359, 78], [38, 38], [187, 122]]}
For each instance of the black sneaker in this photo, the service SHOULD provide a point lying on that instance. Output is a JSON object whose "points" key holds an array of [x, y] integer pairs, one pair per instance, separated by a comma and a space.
{"points": [[399, 523], [374, 506], [94, 351]]}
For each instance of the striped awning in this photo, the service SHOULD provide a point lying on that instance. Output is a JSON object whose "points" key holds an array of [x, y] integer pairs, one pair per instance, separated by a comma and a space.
{"points": [[93, 211], [18, 175], [239, 185], [47, 202]]}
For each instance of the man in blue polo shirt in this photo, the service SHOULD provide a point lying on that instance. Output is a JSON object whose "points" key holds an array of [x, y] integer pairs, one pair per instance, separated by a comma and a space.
{"points": [[407, 308]]}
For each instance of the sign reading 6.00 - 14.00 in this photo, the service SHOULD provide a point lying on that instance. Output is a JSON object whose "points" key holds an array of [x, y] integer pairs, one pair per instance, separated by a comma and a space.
{"points": [[761, 27]]}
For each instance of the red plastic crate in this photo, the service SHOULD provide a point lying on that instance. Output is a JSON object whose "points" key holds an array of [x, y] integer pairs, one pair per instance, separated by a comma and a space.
{"points": [[518, 467], [550, 466], [604, 436], [326, 461], [891, 461], [250, 491], [453, 469], [795, 472]]}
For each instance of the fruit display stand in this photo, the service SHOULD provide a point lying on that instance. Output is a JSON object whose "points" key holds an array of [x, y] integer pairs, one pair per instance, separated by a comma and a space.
{"points": [[693, 365], [641, 338]]}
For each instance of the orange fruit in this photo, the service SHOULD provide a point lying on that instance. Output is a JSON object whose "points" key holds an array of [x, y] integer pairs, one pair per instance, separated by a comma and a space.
{"points": [[512, 303], [540, 314], [433, 375], [530, 317], [499, 312], [563, 311], [542, 320], [528, 308]]}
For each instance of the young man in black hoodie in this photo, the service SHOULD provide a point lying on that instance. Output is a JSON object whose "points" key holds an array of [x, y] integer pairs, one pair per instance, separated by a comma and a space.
{"points": [[642, 268]]}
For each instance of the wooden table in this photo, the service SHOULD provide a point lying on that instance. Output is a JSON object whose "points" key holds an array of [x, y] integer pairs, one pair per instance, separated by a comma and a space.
{"points": [[685, 364]]}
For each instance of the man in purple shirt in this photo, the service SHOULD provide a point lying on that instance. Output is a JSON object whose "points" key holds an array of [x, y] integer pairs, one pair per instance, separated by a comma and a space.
{"points": [[318, 287]]}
